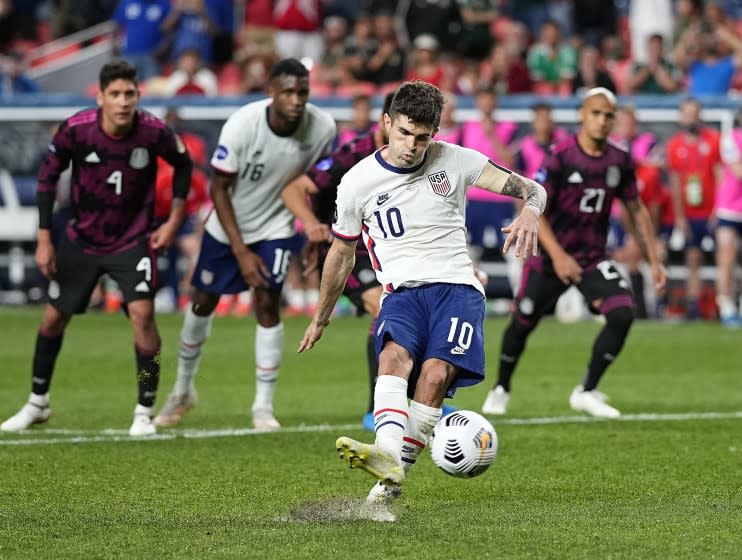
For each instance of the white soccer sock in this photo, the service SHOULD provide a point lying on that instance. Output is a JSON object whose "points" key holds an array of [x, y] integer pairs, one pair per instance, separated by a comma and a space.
{"points": [[295, 297], [268, 350], [420, 426], [195, 331], [311, 297], [726, 306], [390, 413]]}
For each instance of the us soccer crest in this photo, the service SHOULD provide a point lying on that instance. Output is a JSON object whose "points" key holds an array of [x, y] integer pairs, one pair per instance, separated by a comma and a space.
{"points": [[439, 183]]}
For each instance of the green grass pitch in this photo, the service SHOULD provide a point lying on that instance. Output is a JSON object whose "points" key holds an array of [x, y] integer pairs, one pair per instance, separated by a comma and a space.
{"points": [[664, 485]]}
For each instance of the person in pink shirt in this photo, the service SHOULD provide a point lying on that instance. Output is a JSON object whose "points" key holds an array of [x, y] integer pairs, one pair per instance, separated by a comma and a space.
{"points": [[533, 147], [449, 130], [728, 213], [487, 212], [360, 120]]}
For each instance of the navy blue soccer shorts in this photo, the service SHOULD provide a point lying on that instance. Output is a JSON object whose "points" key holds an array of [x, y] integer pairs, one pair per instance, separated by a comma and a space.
{"points": [[443, 321], [217, 270]]}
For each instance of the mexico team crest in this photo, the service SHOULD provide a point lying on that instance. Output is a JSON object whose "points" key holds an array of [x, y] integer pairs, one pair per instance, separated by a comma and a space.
{"points": [[139, 158], [613, 176], [440, 184]]}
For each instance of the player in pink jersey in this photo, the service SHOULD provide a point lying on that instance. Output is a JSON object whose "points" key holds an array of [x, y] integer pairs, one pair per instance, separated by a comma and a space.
{"points": [[113, 152], [728, 212]]}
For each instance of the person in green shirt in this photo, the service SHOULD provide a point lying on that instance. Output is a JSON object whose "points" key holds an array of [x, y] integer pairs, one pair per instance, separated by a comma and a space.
{"points": [[656, 75], [551, 60]]}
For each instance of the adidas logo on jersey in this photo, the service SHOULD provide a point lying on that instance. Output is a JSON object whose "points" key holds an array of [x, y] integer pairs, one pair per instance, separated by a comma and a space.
{"points": [[575, 177], [458, 351], [92, 157]]}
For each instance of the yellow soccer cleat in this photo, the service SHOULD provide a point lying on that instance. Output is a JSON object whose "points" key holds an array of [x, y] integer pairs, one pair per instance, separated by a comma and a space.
{"points": [[372, 459]]}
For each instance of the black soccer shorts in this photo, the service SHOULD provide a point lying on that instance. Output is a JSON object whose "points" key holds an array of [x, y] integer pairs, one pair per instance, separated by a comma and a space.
{"points": [[540, 288], [134, 270]]}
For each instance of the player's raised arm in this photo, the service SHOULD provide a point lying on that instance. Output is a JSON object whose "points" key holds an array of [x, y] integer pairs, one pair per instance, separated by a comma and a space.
{"points": [[524, 229], [295, 198], [338, 265]]}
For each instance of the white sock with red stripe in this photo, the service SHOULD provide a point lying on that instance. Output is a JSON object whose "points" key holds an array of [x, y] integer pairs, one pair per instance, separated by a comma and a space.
{"points": [[420, 426], [390, 413], [195, 331], [268, 349]]}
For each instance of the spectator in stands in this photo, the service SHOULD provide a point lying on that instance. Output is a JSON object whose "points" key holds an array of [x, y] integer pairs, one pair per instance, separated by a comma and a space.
{"points": [[191, 77], [533, 13], [647, 19], [693, 162], [359, 46], [689, 14], [13, 79], [442, 20], [190, 26], [449, 130], [728, 213], [589, 72], [299, 29], [221, 13], [360, 121], [424, 62], [477, 16], [387, 64], [643, 149], [532, 148], [656, 75], [505, 73], [699, 52], [552, 63], [330, 69], [594, 20], [139, 26], [487, 212], [256, 70]]}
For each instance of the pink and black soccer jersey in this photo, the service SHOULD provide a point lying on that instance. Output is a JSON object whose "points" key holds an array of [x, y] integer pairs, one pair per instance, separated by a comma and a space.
{"points": [[113, 179], [328, 172], [581, 189]]}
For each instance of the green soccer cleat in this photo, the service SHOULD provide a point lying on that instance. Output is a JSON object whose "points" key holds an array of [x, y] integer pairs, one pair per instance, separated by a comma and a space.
{"points": [[372, 459]]}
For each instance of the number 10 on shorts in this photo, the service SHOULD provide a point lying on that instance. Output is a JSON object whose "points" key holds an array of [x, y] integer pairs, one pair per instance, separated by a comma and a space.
{"points": [[465, 332]]}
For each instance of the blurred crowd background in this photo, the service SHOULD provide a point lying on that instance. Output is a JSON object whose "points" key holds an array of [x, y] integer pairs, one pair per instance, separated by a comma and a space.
{"points": [[478, 51]]}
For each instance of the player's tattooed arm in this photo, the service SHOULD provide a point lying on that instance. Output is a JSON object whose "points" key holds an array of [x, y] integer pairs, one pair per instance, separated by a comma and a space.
{"points": [[499, 179], [530, 191]]}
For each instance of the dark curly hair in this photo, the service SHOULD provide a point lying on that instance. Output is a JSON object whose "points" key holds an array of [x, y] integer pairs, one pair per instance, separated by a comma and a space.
{"points": [[116, 70], [420, 101]]}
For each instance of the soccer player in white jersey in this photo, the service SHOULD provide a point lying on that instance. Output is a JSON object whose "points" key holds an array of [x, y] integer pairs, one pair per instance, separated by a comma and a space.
{"points": [[407, 201], [250, 238]]}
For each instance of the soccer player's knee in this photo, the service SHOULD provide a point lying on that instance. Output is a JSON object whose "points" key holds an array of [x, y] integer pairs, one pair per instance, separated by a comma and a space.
{"points": [[521, 325], [394, 359], [620, 319]]}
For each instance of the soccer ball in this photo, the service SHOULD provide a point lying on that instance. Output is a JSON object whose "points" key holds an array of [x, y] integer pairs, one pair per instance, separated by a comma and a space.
{"points": [[464, 444]]}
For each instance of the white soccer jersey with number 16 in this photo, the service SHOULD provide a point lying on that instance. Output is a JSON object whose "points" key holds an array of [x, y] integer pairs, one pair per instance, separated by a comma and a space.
{"points": [[412, 219], [263, 164]]}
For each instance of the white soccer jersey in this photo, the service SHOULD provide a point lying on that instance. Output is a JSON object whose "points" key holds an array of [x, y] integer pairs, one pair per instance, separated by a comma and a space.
{"points": [[264, 163], [412, 219]]}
